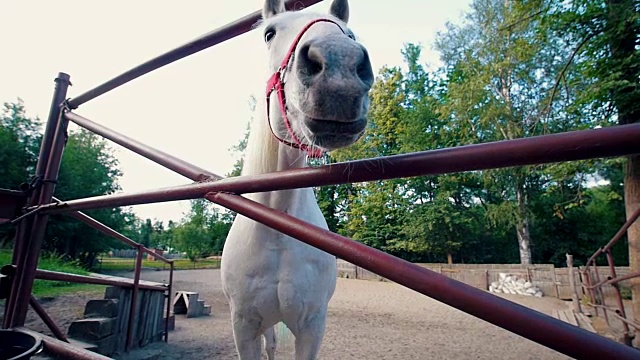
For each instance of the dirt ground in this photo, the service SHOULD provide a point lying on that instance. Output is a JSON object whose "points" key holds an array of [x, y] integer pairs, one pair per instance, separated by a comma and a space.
{"points": [[367, 320]]}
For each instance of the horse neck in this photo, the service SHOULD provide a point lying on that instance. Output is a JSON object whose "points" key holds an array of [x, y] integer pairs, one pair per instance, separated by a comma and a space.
{"points": [[265, 154]]}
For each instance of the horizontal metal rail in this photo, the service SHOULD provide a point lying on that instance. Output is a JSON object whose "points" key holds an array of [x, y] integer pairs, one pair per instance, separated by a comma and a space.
{"points": [[169, 161], [612, 141], [224, 33], [536, 326], [9, 270]]}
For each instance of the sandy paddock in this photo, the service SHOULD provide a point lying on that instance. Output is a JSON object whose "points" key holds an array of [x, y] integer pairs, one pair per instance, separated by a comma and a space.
{"points": [[367, 320]]}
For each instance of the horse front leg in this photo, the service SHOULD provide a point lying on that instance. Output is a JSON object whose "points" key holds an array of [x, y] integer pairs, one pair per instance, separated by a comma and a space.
{"points": [[309, 336], [246, 336]]}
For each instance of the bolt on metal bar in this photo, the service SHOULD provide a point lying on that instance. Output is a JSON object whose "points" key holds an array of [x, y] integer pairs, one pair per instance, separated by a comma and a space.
{"points": [[224, 33], [28, 260], [620, 140], [543, 329], [171, 162], [47, 319]]}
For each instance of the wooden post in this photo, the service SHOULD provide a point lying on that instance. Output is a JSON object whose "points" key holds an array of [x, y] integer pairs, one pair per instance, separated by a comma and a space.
{"points": [[574, 292]]}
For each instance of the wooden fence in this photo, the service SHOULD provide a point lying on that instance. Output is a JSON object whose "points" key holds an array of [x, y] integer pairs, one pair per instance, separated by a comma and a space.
{"points": [[552, 281]]}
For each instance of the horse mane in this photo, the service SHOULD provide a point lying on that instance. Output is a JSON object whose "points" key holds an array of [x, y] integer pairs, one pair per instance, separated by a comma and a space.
{"points": [[261, 154]]}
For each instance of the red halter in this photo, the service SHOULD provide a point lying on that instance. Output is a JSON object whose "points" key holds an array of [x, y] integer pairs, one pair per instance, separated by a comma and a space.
{"points": [[276, 83]]}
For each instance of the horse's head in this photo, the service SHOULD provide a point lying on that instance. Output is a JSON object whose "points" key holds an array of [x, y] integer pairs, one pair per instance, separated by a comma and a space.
{"points": [[321, 77]]}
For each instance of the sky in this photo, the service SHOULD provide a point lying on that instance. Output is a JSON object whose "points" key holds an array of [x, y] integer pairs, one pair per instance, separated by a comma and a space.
{"points": [[196, 108]]}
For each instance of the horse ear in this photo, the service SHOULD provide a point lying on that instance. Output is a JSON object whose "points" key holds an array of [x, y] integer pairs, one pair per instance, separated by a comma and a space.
{"points": [[272, 7], [340, 9]]}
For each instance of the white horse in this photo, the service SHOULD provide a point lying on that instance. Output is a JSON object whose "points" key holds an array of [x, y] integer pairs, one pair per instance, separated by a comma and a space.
{"points": [[317, 100]]}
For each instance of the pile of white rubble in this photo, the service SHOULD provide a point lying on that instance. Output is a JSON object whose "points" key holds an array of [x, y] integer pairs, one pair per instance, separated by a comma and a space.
{"points": [[510, 284]]}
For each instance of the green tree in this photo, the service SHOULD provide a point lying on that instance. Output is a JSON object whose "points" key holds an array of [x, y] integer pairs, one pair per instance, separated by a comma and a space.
{"points": [[497, 64], [606, 63], [19, 140], [88, 169]]}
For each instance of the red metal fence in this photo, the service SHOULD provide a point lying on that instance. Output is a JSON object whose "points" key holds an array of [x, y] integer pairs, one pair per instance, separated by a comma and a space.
{"points": [[594, 284], [577, 145]]}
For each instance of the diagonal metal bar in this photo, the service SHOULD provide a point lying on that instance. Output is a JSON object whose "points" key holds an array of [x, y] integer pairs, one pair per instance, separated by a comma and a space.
{"points": [[536, 326], [171, 162], [224, 33], [575, 145], [47, 319]]}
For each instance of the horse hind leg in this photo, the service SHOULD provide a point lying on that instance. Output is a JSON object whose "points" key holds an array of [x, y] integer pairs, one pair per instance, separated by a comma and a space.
{"points": [[270, 343]]}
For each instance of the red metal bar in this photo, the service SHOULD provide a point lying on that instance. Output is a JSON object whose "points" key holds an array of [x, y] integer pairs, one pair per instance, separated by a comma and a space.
{"points": [[617, 140], [622, 278], [62, 349], [134, 299], [47, 319], [217, 36], [616, 237], [171, 162], [622, 231], [28, 262], [114, 234], [169, 301], [553, 333], [626, 334], [10, 270]]}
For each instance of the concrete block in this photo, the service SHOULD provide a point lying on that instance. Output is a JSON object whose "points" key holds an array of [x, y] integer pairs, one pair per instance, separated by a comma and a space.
{"points": [[92, 329], [106, 346], [106, 308], [112, 292]]}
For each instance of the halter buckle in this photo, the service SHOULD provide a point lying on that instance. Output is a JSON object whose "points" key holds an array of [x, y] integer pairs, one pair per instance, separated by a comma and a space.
{"points": [[315, 162]]}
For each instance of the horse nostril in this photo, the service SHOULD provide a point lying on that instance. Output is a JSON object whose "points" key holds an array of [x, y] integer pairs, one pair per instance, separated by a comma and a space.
{"points": [[364, 71], [311, 60]]}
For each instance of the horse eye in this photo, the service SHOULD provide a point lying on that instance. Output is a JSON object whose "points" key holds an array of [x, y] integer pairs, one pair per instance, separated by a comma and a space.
{"points": [[269, 34], [351, 36]]}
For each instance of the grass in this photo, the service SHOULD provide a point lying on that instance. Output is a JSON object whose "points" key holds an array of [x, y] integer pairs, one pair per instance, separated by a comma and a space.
{"points": [[121, 264], [44, 288]]}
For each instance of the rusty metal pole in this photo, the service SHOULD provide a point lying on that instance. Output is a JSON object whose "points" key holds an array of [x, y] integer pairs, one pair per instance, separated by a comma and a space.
{"points": [[32, 242], [134, 298], [628, 339], [47, 319], [538, 327], [169, 303]]}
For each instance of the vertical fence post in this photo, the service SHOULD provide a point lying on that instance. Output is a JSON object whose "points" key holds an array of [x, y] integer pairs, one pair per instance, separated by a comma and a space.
{"points": [[47, 170], [572, 285], [627, 338], [169, 303], [134, 298]]}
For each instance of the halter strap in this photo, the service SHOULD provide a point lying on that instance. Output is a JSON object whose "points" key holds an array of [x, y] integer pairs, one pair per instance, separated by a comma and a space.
{"points": [[276, 83]]}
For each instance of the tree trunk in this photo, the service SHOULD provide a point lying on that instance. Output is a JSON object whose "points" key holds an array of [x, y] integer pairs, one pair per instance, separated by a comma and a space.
{"points": [[622, 31], [632, 203], [449, 258], [522, 226]]}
